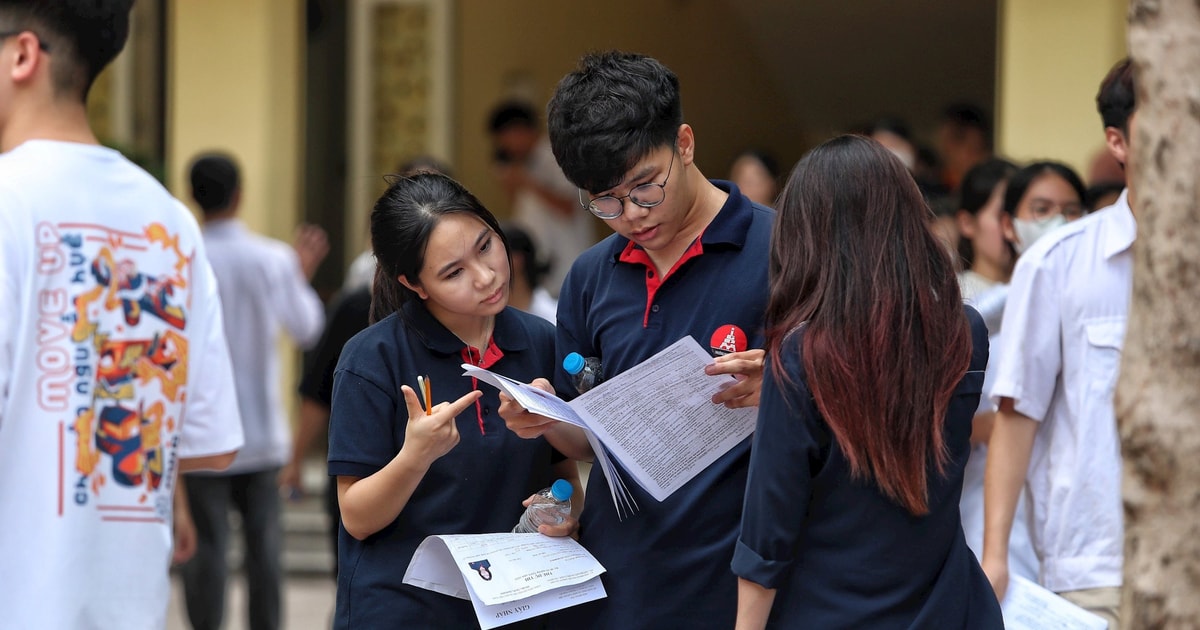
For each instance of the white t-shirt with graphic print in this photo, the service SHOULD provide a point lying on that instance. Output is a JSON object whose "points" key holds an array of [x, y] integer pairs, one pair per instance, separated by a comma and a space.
{"points": [[113, 367]]}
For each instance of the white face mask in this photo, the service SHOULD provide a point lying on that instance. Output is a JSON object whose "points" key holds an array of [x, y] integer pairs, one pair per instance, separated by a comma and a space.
{"points": [[1028, 232]]}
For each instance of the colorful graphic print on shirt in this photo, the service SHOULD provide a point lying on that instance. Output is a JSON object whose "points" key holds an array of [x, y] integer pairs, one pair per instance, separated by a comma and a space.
{"points": [[112, 360]]}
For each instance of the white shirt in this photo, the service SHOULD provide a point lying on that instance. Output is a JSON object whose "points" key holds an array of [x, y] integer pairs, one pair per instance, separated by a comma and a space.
{"points": [[113, 367], [543, 305], [263, 290], [559, 239], [1060, 351]]}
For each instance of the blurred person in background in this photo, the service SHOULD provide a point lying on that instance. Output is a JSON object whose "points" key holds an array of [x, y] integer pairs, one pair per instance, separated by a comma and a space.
{"points": [[1055, 437], [1039, 198], [756, 174], [543, 201], [988, 258], [964, 139], [264, 286], [527, 293]]}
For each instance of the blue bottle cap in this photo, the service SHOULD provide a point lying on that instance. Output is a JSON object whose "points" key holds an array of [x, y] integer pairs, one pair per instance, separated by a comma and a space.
{"points": [[562, 489], [573, 363]]}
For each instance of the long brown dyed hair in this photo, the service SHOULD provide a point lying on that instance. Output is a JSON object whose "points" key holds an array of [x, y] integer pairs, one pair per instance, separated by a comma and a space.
{"points": [[886, 340]]}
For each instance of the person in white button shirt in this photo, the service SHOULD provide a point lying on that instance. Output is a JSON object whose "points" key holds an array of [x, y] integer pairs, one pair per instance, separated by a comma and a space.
{"points": [[264, 286], [1055, 433]]}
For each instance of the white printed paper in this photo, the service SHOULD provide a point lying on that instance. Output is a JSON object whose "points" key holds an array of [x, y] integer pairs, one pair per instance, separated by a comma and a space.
{"points": [[507, 577], [657, 418], [1028, 606]]}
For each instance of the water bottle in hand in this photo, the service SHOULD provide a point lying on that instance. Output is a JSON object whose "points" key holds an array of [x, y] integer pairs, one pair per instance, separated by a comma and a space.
{"points": [[585, 373], [551, 506]]}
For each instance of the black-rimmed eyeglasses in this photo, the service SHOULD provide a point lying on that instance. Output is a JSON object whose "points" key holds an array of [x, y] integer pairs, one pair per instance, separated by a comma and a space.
{"points": [[645, 195], [41, 44]]}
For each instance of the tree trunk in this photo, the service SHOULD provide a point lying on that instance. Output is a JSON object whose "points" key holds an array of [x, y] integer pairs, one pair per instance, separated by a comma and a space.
{"points": [[1158, 395]]}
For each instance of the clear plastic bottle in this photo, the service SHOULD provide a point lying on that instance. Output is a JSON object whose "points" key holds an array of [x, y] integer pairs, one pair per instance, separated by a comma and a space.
{"points": [[551, 506], [585, 373]]}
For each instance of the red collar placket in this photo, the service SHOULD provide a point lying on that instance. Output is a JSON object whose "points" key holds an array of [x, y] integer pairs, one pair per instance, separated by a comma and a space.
{"points": [[491, 355]]}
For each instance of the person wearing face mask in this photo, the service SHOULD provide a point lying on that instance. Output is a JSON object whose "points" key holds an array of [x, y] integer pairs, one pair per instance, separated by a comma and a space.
{"points": [[1041, 197], [1037, 199], [1055, 438], [1022, 205]]}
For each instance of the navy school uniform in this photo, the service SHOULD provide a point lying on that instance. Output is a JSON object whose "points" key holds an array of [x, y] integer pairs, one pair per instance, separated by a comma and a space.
{"points": [[842, 554], [668, 564], [476, 488]]}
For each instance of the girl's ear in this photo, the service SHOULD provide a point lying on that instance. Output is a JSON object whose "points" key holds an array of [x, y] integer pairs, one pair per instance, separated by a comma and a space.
{"points": [[415, 288], [1006, 226], [966, 224]]}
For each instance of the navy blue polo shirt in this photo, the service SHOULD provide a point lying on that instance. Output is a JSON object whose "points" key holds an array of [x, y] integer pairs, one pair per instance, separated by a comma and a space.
{"points": [[476, 488], [840, 553], [667, 565]]}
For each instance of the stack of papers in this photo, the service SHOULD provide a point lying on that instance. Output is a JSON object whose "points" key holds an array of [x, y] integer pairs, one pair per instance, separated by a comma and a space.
{"points": [[1028, 606], [657, 419], [507, 577]]}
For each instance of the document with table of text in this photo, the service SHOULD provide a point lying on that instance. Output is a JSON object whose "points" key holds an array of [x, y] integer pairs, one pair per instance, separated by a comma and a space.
{"points": [[657, 419]]}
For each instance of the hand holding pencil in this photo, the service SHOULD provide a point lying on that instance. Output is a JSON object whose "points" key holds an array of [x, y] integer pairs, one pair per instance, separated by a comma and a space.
{"points": [[431, 431]]}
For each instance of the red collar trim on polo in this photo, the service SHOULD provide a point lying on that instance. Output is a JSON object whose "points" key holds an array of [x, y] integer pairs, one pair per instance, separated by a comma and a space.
{"points": [[636, 255], [491, 355]]}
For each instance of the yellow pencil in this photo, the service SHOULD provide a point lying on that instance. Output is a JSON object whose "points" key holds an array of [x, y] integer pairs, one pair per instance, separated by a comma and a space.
{"points": [[428, 397]]}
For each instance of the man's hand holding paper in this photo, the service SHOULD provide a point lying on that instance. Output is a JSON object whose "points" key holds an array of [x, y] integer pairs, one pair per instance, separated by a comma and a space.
{"points": [[747, 367]]}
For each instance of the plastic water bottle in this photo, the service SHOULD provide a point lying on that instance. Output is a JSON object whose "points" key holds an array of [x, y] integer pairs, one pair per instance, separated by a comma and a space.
{"points": [[551, 506], [585, 373]]}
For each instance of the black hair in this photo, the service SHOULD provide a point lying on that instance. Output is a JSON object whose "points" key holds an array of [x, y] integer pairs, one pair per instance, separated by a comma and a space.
{"points": [[80, 37], [977, 187], [612, 111], [511, 113], [980, 181], [519, 242], [401, 223], [1117, 98], [1020, 182], [964, 116], [424, 163], [215, 179], [1096, 192]]}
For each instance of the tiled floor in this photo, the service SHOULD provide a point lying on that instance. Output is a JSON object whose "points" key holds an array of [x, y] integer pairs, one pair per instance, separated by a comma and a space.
{"points": [[308, 601]]}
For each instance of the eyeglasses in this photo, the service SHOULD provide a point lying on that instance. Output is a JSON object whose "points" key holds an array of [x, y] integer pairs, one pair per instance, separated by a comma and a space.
{"points": [[645, 195], [41, 44], [1042, 208]]}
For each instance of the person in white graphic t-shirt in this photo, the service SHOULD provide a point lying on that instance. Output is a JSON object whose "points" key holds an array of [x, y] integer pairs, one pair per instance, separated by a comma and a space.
{"points": [[114, 373]]}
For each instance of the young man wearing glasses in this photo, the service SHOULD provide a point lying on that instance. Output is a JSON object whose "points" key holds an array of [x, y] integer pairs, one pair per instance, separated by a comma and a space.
{"points": [[688, 257], [114, 373]]}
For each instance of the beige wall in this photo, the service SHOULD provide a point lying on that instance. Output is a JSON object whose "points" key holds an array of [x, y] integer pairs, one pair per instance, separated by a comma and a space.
{"points": [[234, 84], [523, 47], [1052, 57]]}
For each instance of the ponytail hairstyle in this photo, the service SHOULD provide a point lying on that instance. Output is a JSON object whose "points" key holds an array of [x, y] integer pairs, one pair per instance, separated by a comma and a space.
{"points": [[401, 223], [886, 339]]}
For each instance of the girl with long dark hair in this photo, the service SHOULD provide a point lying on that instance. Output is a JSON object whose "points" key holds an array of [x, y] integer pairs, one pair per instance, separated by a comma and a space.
{"points": [[407, 469], [875, 367]]}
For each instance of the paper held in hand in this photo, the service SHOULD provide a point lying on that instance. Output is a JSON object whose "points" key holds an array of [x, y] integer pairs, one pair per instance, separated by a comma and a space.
{"points": [[1028, 606], [507, 577], [657, 418]]}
